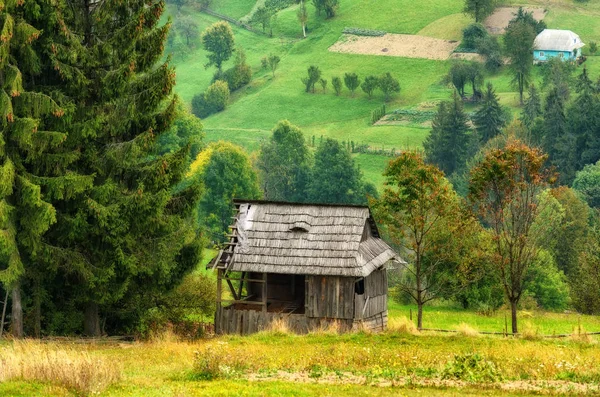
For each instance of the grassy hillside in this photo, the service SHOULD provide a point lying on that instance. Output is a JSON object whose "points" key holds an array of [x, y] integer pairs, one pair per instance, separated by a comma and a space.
{"points": [[255, 109]]}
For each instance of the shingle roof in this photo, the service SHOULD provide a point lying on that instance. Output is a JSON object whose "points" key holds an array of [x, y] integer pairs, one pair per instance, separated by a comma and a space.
{"points": [[557, 40], [310, 239]]}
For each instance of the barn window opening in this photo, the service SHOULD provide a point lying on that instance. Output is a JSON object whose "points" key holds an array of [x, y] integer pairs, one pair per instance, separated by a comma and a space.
{"points": [[359, 286], [285, 293]]}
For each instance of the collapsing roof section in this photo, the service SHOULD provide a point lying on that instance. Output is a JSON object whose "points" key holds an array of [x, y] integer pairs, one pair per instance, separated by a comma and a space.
{"points": [[309, 239]]}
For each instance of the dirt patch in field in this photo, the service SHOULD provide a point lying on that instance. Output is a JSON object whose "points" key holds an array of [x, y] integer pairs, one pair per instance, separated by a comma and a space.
{"points": [[396, 45], [498, 21]]}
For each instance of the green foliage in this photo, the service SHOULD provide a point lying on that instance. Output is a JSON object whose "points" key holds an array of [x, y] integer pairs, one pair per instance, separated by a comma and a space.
{"points": [[490, 49], [586, 280], [518, 41], [314, 75], [187, 28], [336, 82], [335, 179], [377, 114], [225, 172], [273, 62], [388, 85], [351, 81], [593, 47], [458, 75], [262, 16], [364, 32], [489, 118], [532, 108], [479, 9], [369, 85], [587, 183], [186, 130], [237, 76], [472, 367], [547, 284], [214, 100], [449, 143], [330, 7], [527, 18], [219, 41], [284, 163], [472, 35]]}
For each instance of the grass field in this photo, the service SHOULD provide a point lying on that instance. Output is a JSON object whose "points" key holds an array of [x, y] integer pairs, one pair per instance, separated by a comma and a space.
{"points": [[399, 361], [257, 108]]}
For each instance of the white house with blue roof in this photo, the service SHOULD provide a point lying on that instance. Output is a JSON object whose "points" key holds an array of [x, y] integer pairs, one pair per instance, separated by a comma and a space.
{"points": [[552, 43]]}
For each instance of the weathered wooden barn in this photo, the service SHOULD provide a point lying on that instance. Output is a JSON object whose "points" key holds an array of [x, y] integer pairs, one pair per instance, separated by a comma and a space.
{"points": [[309, 264]]}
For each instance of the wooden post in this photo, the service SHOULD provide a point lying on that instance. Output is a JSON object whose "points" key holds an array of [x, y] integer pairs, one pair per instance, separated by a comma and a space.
{"points": [[4, 313], [505, 325], [241, 285], [264, 293], [410, 311], [219, 287]]}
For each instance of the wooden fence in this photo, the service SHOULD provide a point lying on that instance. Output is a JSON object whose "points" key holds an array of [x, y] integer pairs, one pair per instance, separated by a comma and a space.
{"points": [[233, 21]]}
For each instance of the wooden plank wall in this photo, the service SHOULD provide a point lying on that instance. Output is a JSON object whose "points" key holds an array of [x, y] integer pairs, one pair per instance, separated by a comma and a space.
{"points": [[330, 297], [375, 296], [244, 322]]}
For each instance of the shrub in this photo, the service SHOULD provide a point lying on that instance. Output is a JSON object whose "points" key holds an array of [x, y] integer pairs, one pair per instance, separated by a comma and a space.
{"points": [[547, 284], [314, 75], [364, 32], [593, 47], [351, 81], [489, 48], [471, 367], [212, 101], [369, 85], [237, 76], [388, 85], [377, 114], [336, 82], [472, 34], [76, 370]]}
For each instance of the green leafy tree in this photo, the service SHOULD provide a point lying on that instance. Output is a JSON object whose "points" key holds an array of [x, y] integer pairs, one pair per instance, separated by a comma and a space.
{"points": [[214, 100], [188, 28], [587, 184], [336, 83], [130, 235], [335, 179], [527, 18], [225, 172], [219, 41], [284, 163], [351, 81], [420, 212], [388, 85], [369, 85], [489, 48], [474, 75], [273, 61], [586, 288], [518, 41], [330, 7], [458, 76], [262, 16], [504, 189], [314, 75], [489, 118], [479, 9], [186, 129], [547, 284], [473, 34], [448, 144]]}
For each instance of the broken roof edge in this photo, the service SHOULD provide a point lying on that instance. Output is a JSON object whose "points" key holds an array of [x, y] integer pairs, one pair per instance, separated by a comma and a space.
{"points": [[242, 201]]}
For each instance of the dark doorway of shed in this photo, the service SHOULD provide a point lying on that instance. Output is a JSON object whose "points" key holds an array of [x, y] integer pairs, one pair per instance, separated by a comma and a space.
{"points": [[285, 292]]}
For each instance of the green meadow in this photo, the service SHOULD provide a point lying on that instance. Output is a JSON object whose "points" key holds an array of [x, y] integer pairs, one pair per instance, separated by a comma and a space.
{"points": [[256, 108]]}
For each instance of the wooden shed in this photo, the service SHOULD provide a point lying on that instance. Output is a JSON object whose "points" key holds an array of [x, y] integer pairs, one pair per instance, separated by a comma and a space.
{"points": [[308, 264]]}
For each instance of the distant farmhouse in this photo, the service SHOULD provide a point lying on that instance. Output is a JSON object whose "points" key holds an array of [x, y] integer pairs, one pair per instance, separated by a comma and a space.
{"points": [[310, 265], [552, 43]]}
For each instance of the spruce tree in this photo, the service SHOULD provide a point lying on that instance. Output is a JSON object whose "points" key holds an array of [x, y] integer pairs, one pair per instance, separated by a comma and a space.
{"points": [[34, 162], [449, 143], [131, 235], [532, 108], [557, 141], [489, 119], [583, 120]]}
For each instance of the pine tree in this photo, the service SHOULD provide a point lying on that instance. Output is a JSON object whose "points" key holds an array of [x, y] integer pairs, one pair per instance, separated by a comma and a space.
{"points": [[557, 141], [33, 160], [583, 120], [131, 235], [532, 107], [449, 143], [489, 119]]}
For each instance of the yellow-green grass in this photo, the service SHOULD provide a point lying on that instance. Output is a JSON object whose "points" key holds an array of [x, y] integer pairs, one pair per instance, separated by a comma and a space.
{"points": [[545, 323], [449, 27], [232, 8]]}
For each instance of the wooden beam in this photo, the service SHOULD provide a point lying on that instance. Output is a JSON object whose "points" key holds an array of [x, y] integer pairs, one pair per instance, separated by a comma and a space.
{"points": [[241, 285], [264, 293], [219, 285], [243, 301], [250, 280], [232, 289]]}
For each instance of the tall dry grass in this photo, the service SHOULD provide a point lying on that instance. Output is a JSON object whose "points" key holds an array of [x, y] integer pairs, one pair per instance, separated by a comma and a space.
{"points": [[74, 369]]}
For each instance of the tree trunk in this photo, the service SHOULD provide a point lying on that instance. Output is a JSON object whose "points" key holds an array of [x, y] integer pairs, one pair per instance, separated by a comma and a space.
{"points": [[304, 30], [513, 313], [420, 315], [17, 312], [91, 326]]}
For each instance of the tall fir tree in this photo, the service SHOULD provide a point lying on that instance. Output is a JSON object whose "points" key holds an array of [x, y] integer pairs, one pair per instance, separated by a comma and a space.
{"points": [[489, 118], [583, 120], [131, 236], [532, 107], [449, 143], [34, 161], [557, 141]]}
